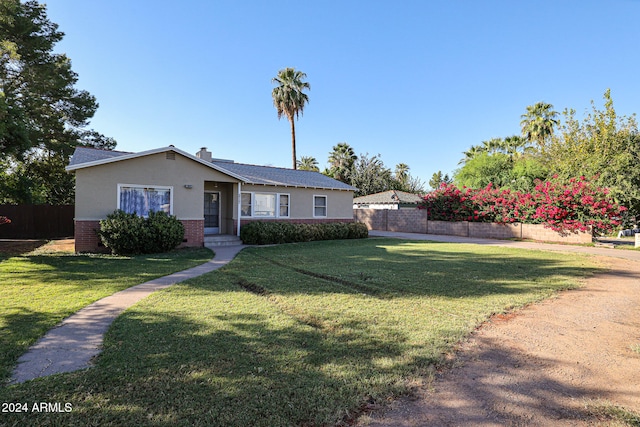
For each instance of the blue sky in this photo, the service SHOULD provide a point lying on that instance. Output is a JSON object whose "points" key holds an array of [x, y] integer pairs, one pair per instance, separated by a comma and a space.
{"points": [[417, 82]]}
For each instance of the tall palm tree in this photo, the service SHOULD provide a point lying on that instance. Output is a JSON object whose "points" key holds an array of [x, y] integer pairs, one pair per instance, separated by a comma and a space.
{"points": [[308, 163], [341, 161], [516, 145], [289, 99], [402, 173], [538, 123], [472, 152]]}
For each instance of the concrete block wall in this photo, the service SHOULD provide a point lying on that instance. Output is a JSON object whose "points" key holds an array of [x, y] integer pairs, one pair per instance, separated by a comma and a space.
{"points": [[415, 221], [407, 220], [448, 228], [539, 232], [490, 230]]}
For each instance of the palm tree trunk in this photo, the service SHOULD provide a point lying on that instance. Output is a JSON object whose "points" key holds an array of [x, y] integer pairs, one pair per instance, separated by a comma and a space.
{"points": [[293, 142]]}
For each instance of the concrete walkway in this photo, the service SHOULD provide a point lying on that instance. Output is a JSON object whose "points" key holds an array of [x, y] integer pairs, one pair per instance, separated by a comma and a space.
{"points": [[632, 255], [71, 345]]}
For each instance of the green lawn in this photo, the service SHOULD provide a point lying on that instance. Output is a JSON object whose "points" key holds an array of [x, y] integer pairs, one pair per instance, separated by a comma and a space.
{"points": [[299, 334], [37, 291]]}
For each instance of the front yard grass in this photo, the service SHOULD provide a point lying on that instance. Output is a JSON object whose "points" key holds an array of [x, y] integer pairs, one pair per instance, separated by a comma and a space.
{"points": [[296, 335], [38, 290]]}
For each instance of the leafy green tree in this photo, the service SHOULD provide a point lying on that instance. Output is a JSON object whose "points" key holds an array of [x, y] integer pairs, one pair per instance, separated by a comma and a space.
{"points": [[42, 115], [539, 122], [289, 99], [308, 163], [341, 161], [437, 179], [484, 169], [370, 175], [603, 146]]}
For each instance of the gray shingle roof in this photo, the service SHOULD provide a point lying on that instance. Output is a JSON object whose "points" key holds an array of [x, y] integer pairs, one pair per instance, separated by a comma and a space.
{"points": [[388, 197], [249, 174], [86, 155], [280, 176]]}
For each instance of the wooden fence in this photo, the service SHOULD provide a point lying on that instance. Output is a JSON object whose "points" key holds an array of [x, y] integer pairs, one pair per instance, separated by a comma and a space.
{"points": [[37, 221]]}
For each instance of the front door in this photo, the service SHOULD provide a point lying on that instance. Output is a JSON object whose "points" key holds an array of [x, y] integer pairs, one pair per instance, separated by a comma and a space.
{"points": [[211, 213]]}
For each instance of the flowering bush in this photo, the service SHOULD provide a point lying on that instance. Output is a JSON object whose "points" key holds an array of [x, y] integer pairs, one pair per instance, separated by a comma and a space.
{"points": [[4, 220], [571, 206]]}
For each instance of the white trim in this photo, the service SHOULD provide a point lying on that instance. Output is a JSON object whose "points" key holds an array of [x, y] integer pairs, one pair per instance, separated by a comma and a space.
{"points": [[326, 206], [253, 205], [160, 187], [130, 156], [239, 208], [217, 167], [288, 205]]}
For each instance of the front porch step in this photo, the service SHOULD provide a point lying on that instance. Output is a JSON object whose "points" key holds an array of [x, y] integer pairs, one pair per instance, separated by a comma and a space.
{"points": [[214, 240]]}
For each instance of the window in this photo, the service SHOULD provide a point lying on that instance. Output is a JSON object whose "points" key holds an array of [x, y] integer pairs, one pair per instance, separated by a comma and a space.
{"points": [[284, 205], [246, 204], [142, 199], [265, 205], [319, 205]]}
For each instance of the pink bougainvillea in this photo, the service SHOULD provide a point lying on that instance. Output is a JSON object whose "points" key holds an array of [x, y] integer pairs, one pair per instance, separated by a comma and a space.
{"points": [[4, 220], [564, 206]]}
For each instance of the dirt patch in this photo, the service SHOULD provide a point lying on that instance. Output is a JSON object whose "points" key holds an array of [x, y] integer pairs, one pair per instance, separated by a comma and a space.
{"points": [[546, 365], [19, 247]]}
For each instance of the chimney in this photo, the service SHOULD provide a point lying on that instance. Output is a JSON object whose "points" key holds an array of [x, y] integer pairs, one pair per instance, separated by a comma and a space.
{"points": [[204, 154]]}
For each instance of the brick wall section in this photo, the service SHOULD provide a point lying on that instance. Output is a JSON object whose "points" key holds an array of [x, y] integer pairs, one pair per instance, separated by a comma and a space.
{"points": [[193, 233], [415, 221], [86, 239]]}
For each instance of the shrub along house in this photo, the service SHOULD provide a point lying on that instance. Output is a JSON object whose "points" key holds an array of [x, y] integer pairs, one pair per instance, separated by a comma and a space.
{"points": [[210, 196]]}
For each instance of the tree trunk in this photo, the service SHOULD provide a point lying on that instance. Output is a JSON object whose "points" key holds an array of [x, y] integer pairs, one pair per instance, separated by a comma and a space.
{"points": [[293, 142]]}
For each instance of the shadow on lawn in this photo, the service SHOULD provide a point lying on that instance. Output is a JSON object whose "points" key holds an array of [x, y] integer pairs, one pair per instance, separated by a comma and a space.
{"points": [[398, 268], [19, 327], [214, 354], [246, 370]]}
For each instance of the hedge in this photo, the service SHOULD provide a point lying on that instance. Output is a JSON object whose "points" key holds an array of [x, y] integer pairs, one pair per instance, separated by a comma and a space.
{"points": [[266, 233]]}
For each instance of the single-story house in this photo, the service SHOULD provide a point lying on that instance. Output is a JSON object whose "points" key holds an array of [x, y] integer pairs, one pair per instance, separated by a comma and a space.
{"points": [[392, 199], [209, 196]]}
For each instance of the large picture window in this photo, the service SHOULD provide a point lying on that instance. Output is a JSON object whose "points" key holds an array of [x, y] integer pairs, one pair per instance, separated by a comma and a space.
{"points": [[264, 205], [141, 200]]}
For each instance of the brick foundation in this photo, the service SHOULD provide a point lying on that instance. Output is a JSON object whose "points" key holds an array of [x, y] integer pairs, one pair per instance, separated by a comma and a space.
{"points": [[193, 233], [87, 240]]}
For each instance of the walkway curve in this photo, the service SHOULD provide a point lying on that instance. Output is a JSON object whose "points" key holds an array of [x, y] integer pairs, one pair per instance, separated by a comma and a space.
{"points": [[70, 345]]}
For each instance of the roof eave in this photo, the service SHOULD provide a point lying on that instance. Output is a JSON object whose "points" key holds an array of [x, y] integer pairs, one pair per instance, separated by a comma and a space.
{"points": [[152, 152]]}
